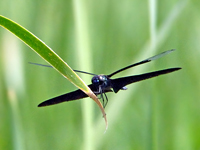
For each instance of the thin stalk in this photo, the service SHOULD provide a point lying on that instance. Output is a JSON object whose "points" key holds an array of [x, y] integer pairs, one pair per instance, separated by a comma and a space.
{"points": [[85, 63], [14, 86], [152, 108], [153, 21]]}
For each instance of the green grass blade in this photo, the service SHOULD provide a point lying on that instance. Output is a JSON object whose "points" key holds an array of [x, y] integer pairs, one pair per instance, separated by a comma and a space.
{"points": [[44, 51], [50, 56]]}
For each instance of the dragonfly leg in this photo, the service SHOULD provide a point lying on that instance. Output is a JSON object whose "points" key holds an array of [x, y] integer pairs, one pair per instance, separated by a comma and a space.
{"points": [[100, 94], [106, 101], [102, 97]]}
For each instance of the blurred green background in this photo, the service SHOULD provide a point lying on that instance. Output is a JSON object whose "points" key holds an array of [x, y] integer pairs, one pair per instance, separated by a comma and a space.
{"points": [[101, 37]]}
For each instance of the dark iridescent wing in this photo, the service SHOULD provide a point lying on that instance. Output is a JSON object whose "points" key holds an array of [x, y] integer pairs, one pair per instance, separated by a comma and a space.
{"points": [[142, 62], [118, 83], [75, 95]]}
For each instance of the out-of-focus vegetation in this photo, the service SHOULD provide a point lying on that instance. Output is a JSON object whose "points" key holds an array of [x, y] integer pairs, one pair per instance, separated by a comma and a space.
{"points": [[101, 37]]}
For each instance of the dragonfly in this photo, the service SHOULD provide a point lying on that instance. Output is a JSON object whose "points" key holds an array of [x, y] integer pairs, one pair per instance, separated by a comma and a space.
{"points": [[101, 84]]}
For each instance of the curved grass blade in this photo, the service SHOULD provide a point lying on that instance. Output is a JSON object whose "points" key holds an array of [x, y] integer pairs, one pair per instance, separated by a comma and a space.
{"points": [[50, 56]]}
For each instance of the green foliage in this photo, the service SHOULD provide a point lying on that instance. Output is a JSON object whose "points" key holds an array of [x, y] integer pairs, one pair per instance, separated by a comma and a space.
{"points": [[43, 51], [160, 113]]}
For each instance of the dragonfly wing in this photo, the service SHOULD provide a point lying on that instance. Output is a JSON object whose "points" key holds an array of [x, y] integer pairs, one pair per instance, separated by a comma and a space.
{"points": [[142, 62], [119, 83], [75, 95]]}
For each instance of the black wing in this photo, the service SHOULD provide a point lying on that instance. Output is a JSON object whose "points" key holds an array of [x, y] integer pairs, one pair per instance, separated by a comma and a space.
{"points": [[75, 95], [118, 83], [142, 62]]}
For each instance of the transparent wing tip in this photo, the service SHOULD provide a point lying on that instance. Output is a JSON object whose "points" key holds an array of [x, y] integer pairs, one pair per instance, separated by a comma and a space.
{"points": [[161, 54]]}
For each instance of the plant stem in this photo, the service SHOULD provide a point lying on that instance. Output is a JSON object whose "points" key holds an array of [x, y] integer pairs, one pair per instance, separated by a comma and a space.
{"points": [[84, 57]]}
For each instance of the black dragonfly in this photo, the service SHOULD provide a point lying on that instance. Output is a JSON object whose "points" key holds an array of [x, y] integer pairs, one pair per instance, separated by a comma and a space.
{"points": [[101, 84]]}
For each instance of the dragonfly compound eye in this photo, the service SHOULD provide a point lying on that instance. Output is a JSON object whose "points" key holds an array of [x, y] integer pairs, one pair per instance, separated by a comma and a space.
{"points": [[95, 80]]}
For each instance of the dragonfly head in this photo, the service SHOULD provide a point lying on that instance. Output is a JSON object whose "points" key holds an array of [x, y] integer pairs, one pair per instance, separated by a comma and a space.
{"points": [[100, 80]]}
